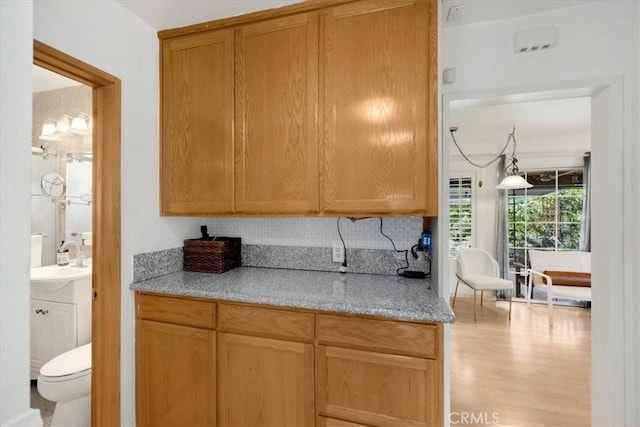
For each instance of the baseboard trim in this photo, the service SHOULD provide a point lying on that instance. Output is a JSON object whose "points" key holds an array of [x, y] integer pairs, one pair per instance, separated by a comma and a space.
{"points": [[31, 418]]}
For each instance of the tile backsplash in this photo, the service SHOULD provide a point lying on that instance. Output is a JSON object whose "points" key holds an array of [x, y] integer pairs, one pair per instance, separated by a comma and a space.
{"points": [[303, 243], [318, 232]]}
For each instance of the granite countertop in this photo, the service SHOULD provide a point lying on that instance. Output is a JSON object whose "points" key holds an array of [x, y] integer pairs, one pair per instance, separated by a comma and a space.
{"points": [[378, 295]]}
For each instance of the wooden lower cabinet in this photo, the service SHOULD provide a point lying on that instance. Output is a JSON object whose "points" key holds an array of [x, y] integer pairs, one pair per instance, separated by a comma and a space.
{"points": [[175, 375], [377, 389], [264, 382], [205, 363]]}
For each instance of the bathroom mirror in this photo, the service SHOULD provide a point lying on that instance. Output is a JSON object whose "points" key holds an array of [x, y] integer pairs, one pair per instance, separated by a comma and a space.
{"points": [[53, 185], [77, 211], [61, 183]]}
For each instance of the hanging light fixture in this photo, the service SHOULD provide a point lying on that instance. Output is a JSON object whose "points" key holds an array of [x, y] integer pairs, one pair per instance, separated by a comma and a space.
{"points": [[513, 179]]}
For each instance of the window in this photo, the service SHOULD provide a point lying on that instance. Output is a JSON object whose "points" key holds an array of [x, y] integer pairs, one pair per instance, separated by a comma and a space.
{"points": [[547, 216], [460, 214]]}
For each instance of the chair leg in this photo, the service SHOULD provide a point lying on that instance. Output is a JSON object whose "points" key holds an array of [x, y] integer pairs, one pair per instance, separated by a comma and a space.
{"points": [[453, 303], [481, 297], [474, 305], [510, 300], [550, 302]]}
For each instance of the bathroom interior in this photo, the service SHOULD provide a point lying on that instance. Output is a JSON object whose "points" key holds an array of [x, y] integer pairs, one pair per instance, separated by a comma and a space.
{"points": [[61, 242]]}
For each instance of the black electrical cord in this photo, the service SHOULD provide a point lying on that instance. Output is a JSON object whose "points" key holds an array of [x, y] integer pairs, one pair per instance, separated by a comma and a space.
{"points": [[344, 247], [413, 251], [406, 251]]}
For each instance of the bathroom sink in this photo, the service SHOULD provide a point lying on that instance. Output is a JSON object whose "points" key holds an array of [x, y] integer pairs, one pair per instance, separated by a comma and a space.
{"points": [[51, 278]]}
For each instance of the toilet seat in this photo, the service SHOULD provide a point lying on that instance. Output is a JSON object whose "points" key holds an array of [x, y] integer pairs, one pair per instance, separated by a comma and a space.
{"points": [[66, 380], [67, 366]]}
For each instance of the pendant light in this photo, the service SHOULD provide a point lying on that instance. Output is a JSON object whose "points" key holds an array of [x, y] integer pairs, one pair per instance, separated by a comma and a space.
{"points": [[513, 180]]}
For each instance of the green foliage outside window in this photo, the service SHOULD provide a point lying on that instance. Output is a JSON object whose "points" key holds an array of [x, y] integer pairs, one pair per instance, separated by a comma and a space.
{"points": [[545, 217]]}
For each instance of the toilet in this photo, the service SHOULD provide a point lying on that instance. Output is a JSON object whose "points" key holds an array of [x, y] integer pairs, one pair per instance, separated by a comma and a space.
{"points": [[66, 380]]}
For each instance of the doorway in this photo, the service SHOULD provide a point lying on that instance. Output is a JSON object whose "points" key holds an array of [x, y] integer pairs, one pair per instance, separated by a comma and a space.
{"points": [[607, 109], [105, 215]]}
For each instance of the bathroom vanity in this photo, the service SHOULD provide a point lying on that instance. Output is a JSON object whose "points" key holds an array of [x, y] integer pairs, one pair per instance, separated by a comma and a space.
{"points": [[257, 346], [60, 312]]}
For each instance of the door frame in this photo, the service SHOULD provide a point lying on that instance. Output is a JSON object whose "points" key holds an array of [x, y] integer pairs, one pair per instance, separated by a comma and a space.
{"points": [[106, 278]]}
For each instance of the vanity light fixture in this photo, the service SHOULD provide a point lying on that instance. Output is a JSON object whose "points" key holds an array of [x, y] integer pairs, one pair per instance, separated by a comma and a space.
{"points": [[80, 124], [49, 131], [63, 125]]}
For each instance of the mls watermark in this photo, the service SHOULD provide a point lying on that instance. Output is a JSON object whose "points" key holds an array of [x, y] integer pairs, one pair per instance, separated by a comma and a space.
{"points": [[474, 418]]}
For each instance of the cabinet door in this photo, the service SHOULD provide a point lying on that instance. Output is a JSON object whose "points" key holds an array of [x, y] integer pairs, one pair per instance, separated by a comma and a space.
{"points": [[265, 382], [378, 87], [54, 330], [276, 70], [175, 375], [197, 119], [378, 389]]}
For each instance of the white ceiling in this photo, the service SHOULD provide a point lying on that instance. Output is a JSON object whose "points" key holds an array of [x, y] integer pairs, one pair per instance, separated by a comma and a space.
{"points": [[47, 80], [549, 126]]}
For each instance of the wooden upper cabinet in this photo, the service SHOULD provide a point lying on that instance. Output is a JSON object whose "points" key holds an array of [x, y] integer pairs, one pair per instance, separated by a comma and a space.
{"points": [[326, 110], [197, 120], [378, 88], [276, 98]]}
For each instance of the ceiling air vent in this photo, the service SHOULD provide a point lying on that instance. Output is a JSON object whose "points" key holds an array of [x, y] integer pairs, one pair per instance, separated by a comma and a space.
{"points": [[535, 40]]}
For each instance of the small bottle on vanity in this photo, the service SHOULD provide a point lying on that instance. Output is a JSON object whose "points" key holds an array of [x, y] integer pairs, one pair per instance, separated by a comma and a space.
{"points": [[62, 255]]}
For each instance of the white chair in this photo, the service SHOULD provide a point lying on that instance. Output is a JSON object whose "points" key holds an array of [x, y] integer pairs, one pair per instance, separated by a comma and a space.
{"points": [[477, 269]]}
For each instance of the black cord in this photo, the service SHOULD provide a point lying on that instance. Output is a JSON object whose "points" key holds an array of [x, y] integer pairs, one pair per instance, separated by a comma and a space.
{"points": [[406, 251], [344, 247]]}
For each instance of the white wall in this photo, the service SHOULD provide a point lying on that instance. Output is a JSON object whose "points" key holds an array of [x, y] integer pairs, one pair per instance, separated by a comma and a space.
{"points": [[598, 43], [633, 337], [107, 36], [15, 177]]}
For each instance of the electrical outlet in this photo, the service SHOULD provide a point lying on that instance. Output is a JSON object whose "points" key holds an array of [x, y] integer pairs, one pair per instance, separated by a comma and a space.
{"points": [[338, 252]]}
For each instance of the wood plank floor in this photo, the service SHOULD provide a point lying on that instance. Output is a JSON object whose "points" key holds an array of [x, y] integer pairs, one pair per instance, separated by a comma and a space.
{"points": [[520, 373]]}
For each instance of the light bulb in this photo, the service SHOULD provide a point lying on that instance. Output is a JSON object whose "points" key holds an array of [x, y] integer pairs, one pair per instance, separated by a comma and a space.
{"points": [[48, 131], [63, 124], [79, 125]]}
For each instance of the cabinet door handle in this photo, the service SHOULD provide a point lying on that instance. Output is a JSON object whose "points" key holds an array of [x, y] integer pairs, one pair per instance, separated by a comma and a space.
{"points": [[41, 311]]}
